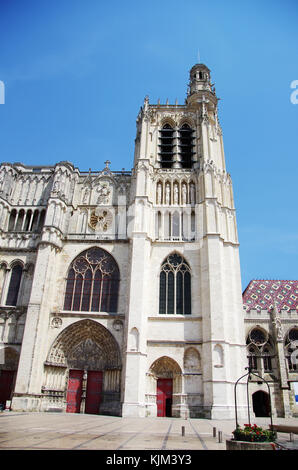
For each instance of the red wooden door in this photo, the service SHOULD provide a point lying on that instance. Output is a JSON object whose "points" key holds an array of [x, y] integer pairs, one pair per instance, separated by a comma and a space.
{"points": [[6, 385], [164, 397], [93, 392], [74, 391]]}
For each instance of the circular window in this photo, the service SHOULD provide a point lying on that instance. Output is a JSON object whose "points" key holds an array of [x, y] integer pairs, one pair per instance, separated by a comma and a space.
{"points": [[258, 337]]}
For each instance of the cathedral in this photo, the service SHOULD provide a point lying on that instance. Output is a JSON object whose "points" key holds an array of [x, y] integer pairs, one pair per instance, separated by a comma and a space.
{"points": [[120, 291]]}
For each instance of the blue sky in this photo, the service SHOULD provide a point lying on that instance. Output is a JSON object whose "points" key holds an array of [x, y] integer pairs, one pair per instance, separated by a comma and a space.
{"points": [[76, 73]]}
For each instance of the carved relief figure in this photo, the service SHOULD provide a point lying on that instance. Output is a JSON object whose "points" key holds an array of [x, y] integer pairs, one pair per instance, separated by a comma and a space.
{"points": [[56, 185], [192, 193], [176, 194], [184, 194], [168, 194], [159, 194], [100, 220], [104, 192]]}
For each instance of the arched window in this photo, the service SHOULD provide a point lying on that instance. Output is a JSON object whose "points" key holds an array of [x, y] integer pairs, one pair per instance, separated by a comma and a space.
{"points": [[166, 146], [175, 286], [291, 349], [92, 282], [260, 350], [14, 285], [186, 146]]}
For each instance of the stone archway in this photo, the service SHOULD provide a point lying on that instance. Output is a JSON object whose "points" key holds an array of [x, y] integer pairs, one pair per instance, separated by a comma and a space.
{"points": [[89, 356], [167, 375], [261, 404]]}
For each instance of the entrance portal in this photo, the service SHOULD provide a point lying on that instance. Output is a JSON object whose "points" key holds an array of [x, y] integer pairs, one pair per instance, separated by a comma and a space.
{"points": [[85, 349], [75, 390], [164, 397], [261, 404]]}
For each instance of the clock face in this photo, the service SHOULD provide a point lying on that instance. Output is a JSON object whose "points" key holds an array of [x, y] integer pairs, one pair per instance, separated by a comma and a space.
{"points": [[100, 220]]}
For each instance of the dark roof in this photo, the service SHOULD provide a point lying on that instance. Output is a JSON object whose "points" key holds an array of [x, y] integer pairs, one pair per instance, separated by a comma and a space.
{"points": [[261, 294]]}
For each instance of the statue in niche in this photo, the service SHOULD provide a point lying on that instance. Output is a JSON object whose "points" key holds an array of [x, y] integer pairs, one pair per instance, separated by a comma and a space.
{"points": [[168, 194], [104, 192], [56, 185], [176, 194], [184, 195], [192, 194], [86, 195], [159, 194]]}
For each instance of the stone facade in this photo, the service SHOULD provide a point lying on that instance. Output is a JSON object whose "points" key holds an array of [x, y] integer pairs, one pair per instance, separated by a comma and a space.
{"points": [[124, 286]]}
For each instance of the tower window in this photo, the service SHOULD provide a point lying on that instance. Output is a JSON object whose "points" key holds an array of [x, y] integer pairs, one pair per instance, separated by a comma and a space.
{"points": [[14, 285], [186, 146], [175, 286], [166, 146]]}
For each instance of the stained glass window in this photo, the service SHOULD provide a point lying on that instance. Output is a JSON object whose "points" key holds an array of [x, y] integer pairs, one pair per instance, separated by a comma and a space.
{"points": [[92, 283], [175, 286]]}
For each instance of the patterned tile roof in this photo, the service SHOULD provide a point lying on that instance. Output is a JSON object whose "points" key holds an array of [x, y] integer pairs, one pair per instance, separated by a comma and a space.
{"points": [[261, 294]]}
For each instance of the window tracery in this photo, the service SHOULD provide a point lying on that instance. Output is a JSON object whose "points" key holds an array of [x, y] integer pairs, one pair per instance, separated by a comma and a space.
{"points": [[92, 282], [175, 286], [260, 350]]}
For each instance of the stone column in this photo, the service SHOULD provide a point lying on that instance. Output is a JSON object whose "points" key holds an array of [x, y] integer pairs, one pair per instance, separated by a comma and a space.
{"points": [[278, 334]]}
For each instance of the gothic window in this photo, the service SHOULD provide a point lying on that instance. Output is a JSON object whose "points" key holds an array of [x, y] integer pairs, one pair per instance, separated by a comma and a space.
{"points": [[267, 362], [14, 285], [186, 146], [175, 286], [12, 220], [92, 283], [253, 359], [260, 351], [291, 349], [166, 146]]}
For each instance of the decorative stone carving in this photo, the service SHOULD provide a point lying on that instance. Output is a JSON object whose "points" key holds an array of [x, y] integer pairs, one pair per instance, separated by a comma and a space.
{"points": [[184, 194], [168, 195], [87, 355], [100, 220], [117, 325], [56, 322], [165, 367], [192, 361], [82, 341], [176, 194], [104, 193]]}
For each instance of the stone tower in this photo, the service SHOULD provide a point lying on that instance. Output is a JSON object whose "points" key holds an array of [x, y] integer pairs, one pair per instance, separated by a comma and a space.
{"points": [[120, 291], [185, 331]]}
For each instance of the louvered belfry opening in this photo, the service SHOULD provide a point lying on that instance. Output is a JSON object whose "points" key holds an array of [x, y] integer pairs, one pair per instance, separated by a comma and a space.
{"points": [[166, 146], [186, 146]]}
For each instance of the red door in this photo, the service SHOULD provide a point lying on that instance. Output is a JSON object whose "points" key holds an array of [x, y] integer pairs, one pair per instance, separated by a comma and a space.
{"points": [[74, 391], [6, 385], [164, 397], [93, 392]]}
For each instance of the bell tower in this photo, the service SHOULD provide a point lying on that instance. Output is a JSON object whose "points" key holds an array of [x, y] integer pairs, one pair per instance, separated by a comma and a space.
{"points": [[184, 228]]}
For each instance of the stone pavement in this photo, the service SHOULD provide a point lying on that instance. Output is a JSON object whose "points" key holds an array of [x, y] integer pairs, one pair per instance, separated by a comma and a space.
{"points": [[57, 431]]}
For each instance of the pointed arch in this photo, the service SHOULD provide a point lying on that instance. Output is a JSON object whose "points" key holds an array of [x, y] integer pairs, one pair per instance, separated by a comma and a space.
{"points": [[87, 345], [165, 367], [192, 360], [92, 283], [175, 286]]}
